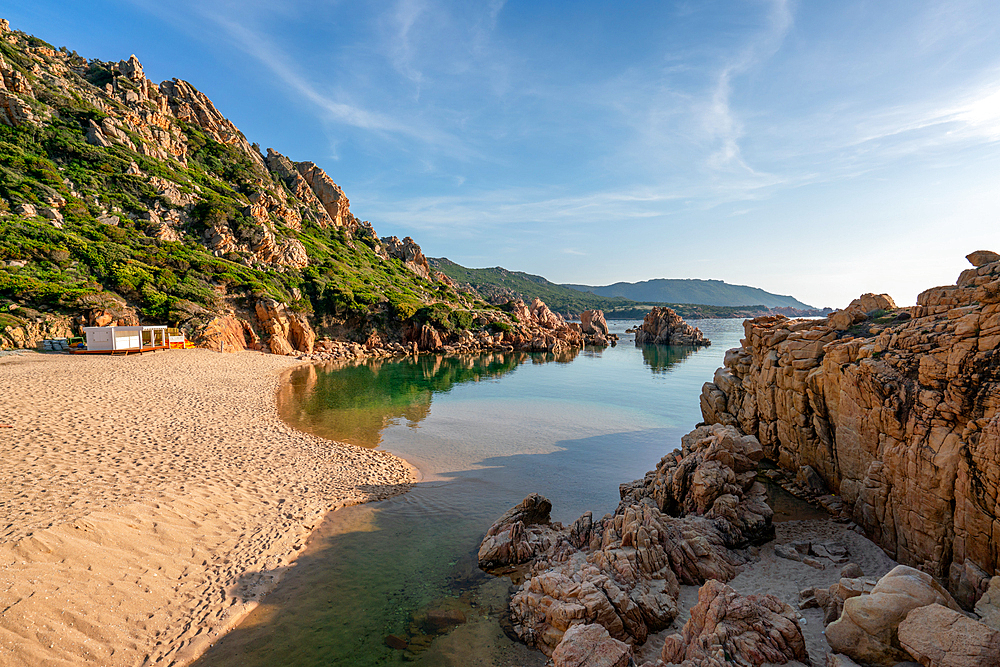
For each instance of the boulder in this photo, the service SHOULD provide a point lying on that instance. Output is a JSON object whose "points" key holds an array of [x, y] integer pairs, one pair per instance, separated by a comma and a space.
{"points": [[519, 535], [289, 332], [429, 338], [867, 629], [748, 631], [593, 322], [988, 606], [839, 660], [590, 645], [982, 257], [937, 636], [544, 317]]}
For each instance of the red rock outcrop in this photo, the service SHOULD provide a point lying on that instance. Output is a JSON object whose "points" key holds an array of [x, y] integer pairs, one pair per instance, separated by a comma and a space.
{"points": [[687, 521], [663, 326], [897, 412], [288, 332], [521, 534], [227, 333], [329, 194], [726, 628], [408, 252], [593, 322], [591, 646]]}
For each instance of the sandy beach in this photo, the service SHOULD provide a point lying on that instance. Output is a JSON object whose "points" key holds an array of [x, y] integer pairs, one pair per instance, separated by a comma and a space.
{"points": [[148, 502]]}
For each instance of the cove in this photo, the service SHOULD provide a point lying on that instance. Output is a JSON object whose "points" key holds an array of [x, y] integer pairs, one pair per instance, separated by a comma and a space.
{"points": [[484, 431]]}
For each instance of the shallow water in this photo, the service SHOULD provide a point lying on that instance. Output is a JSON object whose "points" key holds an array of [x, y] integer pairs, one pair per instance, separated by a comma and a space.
{"points": [[484, 431]]}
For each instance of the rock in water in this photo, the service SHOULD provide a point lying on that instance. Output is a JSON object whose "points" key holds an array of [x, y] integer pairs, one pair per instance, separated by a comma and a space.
{"points": [[746, 631], [593, 322], [937, 636], [686, 521], [519, 535], [590, 646], [663, 326]]}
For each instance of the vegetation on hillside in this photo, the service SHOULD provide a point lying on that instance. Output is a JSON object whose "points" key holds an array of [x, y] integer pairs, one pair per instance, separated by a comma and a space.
{"points": [[499, 284], [76, 232]]}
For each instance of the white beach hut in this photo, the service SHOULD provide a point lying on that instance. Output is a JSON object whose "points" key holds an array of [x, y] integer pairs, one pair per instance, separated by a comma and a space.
{"points": [[126, 339]]}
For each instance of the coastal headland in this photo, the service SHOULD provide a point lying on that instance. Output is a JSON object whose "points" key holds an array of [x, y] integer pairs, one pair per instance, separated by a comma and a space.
{"points": [[152, 501]]}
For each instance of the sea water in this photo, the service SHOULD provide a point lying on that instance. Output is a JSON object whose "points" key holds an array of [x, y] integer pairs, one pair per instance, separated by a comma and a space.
{"points": [[484, 431]]}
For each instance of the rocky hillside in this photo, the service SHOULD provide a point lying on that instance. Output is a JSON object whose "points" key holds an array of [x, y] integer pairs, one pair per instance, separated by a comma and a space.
{"points": [[896, 410], [498, 285], [124, 200], [690, 290]]}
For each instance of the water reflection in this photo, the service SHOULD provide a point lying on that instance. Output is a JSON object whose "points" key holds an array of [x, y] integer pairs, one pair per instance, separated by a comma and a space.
{"points": [[356, 402], [661, 358], [402, 572]]}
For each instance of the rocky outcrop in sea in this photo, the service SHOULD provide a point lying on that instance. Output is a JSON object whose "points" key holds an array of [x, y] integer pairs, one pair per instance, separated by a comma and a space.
{"points": [[695, 518], [663, 326]]}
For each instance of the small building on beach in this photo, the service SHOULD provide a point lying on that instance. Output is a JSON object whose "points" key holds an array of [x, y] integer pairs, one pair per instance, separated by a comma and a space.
{"points": [[126, 339]]}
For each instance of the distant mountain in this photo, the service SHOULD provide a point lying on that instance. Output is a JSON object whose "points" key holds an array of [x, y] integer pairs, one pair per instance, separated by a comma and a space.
{"points": [[688, 290], [499, 285]]}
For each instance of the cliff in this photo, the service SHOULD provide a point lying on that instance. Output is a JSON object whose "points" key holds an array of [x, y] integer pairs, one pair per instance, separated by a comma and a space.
{"points": [[122, 200], [895, 409]]}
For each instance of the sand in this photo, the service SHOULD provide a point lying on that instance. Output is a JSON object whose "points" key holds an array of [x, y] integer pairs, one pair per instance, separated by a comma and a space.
{"points": [[785, 579], [148, 502]]}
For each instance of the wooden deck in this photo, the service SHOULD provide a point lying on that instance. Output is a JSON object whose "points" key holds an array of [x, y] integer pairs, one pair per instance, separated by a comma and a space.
{"points": [[124, 353]]}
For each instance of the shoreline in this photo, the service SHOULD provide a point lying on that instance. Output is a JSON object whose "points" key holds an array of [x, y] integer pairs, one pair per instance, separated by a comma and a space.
{"points": [[154, 500]]}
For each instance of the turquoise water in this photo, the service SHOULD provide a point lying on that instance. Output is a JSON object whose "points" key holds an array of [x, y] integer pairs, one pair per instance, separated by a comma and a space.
{"points": [[484, 431]]}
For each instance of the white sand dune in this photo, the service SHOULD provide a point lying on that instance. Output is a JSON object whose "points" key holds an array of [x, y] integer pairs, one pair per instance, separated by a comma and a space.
{"points": [[148, 502]]}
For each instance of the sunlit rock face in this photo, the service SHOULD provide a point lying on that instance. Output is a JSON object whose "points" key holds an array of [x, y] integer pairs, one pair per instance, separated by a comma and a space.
{"points": [[895, 409]]}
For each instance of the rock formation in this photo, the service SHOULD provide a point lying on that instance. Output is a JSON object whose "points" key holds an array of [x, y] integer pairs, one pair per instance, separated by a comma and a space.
{"points": [[867, 631], [593, 322], [591, 646], [239, 250], [662, 326], [329, 194], [408, 252], [522, 533], [688, 521], [895, 410], [726, 628], [941, 637], [288, 331]]}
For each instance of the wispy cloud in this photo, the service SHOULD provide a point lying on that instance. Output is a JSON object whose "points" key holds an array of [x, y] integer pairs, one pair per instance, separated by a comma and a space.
{"points": [[266, 50], [399, 44], [720, 120]]}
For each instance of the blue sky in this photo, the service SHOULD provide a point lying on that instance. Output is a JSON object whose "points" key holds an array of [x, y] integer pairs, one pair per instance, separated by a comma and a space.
{"points": [[820, 149]]}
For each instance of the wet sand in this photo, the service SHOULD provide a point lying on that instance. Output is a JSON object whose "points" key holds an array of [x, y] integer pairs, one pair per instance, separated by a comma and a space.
{"points": [[148, 502]]}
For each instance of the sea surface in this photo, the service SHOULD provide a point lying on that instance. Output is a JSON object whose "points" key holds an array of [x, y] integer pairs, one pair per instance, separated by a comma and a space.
{"points": [[484, 431]]}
